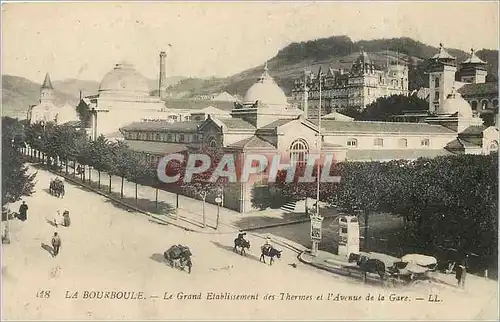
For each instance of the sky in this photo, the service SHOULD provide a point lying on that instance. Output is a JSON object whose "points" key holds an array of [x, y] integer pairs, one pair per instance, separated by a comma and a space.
{"points": [[85, 40]]}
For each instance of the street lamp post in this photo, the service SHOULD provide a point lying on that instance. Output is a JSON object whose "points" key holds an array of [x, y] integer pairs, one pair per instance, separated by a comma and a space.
{"points": [[316, 218], [218, 200]]}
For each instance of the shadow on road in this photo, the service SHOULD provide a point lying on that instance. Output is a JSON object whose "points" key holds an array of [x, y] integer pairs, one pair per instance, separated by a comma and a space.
{"points": [[230, 249], [158, 258], [48, 248], [52, 223]]}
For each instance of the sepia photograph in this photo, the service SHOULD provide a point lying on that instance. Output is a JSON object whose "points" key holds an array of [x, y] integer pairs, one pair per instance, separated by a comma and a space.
{"points": [[264, 160]]}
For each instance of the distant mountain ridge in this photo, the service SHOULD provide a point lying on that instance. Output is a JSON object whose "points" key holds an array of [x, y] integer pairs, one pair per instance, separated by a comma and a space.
{"points": [[336, 52], [289, 64]]}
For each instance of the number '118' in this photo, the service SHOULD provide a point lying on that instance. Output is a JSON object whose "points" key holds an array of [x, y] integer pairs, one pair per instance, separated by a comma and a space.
{"points": [[43, 294]]}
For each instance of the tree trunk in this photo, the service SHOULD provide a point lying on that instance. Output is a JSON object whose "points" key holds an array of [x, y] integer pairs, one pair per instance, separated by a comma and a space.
{"points": [[121, 190], [136, 193], [156, 198], [90, 174], [109, 183], [66, 162], [74, 168], [177, 200], [366, 231], [204, 196], [99, 180]]}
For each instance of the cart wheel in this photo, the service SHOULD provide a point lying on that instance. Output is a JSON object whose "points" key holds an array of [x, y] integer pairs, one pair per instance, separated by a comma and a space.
{"points": [[416, 283]]}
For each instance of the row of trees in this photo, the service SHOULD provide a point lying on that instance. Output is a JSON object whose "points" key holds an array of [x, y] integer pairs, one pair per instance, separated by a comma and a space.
{"points": [[64, 147]]}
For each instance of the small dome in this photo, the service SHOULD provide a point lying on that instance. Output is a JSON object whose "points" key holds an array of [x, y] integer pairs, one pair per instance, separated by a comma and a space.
{"points": [[266, 91], [454, 103], [124, 80]]}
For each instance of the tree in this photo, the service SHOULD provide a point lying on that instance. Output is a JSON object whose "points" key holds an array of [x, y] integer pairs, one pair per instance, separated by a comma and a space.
{"points": [[200, 185], [385, 107], [16, 181], [137, 169], [100, 156], [122, 163]]}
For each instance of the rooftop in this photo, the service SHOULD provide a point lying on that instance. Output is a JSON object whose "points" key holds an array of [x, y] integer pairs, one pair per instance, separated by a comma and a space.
{"points": [[188, 126], [252, 142], [158, 148], [236, 124], [333, 126], [490, 88], [187, 104]]}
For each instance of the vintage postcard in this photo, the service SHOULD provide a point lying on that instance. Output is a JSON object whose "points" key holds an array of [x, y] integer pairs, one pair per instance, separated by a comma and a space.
{"points": [[250, 160]]}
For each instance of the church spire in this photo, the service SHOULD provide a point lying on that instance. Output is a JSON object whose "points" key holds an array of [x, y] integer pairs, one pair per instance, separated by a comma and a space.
{"points": [[47, 84]]}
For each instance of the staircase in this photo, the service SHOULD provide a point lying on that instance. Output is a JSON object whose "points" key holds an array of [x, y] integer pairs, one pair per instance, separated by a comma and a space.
{"points": [[291, 206]]}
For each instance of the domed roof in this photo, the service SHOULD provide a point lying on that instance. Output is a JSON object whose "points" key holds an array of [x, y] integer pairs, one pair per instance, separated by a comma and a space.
{"points": [[454, 103], [124, 80], [266, 91]]}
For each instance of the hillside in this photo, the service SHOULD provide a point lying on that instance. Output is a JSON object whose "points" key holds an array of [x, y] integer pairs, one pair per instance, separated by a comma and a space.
{"points": [[19, 93], [335, 52]]}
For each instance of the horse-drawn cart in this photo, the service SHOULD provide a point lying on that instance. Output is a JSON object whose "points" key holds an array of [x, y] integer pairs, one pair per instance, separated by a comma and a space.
{"points": [[179, 256], [56, 187], [412, 269]]}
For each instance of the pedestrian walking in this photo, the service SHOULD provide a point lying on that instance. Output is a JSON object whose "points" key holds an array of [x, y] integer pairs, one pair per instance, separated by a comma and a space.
{"points": [[461, 271], [56, 243], [23, 211]]}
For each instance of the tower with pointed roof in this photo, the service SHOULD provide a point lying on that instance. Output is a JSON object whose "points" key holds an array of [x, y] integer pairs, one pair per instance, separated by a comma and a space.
{"points": [[441, 78], [473, 70], [47, 90]]}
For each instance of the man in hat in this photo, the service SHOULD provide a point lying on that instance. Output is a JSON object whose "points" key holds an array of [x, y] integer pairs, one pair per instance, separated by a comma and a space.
{"points": [[56, 243], [23, 211]]}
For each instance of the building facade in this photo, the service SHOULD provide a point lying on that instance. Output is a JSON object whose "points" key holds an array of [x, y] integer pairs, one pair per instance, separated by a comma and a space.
{"points": [[264, 123], [468, 78], [357, 88], [47, 111]]}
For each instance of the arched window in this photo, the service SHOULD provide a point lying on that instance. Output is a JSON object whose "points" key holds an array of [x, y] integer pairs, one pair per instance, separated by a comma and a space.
{"points": [[403, 143], [298, 151], [213, 144], [425, 142], [352, 143], [436, 82], [493, 146], [181, 138], [484, 104], [158, 137], [474, 105], [495, 103], [378, 142], [169, 137]]}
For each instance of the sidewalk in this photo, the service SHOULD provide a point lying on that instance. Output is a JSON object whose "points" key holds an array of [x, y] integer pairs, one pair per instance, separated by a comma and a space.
{"points": [[188, 215]]}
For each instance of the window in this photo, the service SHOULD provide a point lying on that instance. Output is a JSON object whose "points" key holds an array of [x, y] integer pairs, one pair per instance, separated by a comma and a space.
{"points": [[195, 138], [298, 151], [378, 142], [484, 104], [436, 96], [425, 142], [352, 142], [495, 103], [436, 82], [344, 230], [169, 137], [474, 105], [158, 137], [187, 118], [181, 138], [149, 136], [403, 143], [213, 143]]}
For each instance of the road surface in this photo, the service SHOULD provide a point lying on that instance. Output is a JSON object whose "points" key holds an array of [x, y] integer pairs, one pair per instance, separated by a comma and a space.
{"points": [[108, 249]]}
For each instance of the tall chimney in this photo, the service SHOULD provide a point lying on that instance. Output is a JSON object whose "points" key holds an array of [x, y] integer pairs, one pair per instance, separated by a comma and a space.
{"points": [[162, 84], [81, 94]]}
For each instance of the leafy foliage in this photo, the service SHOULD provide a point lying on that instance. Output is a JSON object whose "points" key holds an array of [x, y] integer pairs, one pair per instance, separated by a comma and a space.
{"points": [[16, 181], [384, 107]]}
